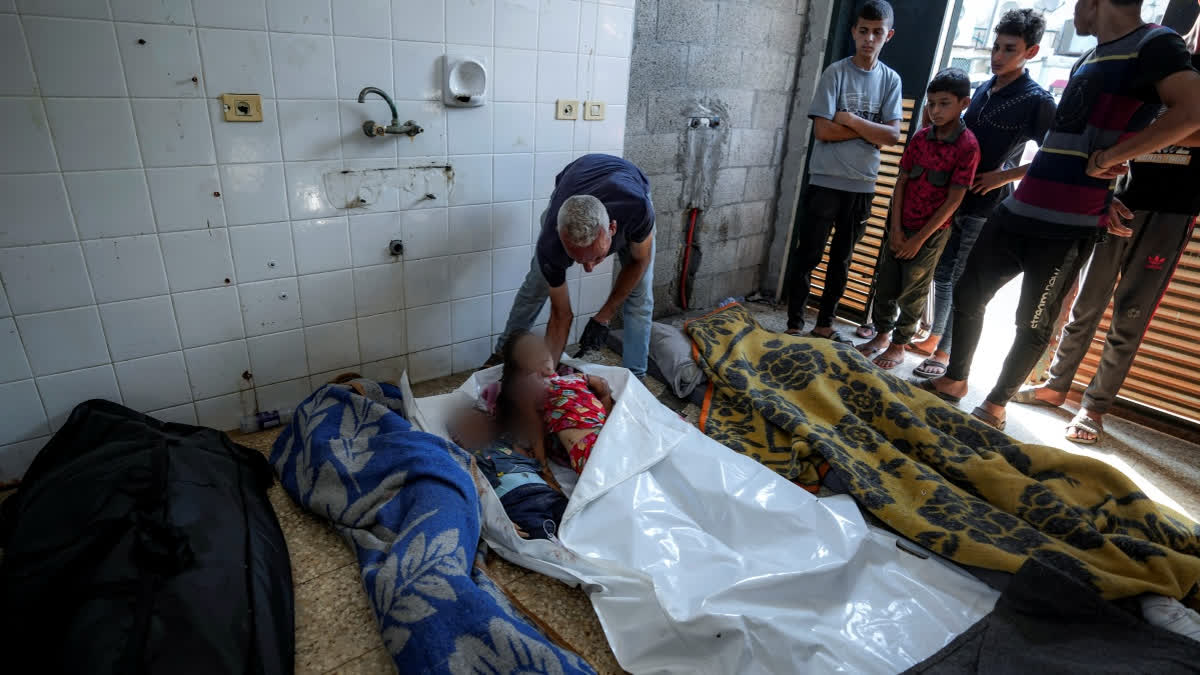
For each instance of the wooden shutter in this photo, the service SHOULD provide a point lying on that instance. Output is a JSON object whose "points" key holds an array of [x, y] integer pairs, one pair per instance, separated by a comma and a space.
{"points": [[1166, 372], [861, 279]]}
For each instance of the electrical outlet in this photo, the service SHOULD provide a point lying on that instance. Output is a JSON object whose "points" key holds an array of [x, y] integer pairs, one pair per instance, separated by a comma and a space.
{"points": [[566, 109], [242, 107], [593, 110]]}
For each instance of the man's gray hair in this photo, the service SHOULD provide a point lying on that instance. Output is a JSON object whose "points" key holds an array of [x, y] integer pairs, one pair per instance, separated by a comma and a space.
{"points": [[581, 219]]}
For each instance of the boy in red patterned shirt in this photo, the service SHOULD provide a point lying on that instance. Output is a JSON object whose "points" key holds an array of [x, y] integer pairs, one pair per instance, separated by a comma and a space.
{"points": [[936, 171]]}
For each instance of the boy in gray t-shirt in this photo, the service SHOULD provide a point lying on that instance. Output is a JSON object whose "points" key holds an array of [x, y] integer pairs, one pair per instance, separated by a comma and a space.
{"points": [[855, 111]]}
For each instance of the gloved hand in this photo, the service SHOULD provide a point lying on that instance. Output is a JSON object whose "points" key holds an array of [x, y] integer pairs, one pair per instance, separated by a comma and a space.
{"points": [[595, 336]]}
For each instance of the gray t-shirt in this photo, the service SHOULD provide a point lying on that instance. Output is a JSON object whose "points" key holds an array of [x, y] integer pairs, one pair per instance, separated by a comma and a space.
{"points": [[874, 95]]}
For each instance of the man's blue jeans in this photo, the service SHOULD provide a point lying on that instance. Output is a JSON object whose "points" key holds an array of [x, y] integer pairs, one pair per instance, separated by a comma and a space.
{"points": [[963, 233]]}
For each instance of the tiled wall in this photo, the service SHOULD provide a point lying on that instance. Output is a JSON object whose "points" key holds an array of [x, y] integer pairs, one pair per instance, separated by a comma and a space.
{"points": [[151, 252]]}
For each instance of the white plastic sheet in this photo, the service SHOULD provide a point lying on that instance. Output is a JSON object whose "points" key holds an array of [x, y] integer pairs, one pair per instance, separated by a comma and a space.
{"points": [[700, 560]]}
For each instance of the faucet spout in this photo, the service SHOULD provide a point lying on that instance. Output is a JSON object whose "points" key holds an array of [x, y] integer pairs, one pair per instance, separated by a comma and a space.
{"points": [[362, 95]]}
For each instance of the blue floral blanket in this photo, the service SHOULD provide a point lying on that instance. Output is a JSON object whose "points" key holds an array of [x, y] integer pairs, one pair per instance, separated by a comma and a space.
{"points": [[405, 502]]}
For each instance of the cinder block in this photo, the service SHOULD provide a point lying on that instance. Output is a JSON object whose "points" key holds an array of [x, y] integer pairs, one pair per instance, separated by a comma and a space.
{"points": [[755, 217], [739, 105], [635, 115], [771, 110], [730, 186], [716, 223], [742, 25], [761, 182], [690, 21], [665, 190], [751, 147], [787, 31], [657, 65], [666, 300], [645, 20], [654, 153], [714, 67], [666, 108], [767, 69]]}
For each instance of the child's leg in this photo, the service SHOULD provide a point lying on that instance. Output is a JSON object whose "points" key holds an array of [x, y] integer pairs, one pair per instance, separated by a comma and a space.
{"points": [[883, 312], [915, 276]]}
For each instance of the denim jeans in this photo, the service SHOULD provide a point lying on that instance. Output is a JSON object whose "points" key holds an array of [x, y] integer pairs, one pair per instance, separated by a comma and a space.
{"points": [[637, 310], [963, 233]]}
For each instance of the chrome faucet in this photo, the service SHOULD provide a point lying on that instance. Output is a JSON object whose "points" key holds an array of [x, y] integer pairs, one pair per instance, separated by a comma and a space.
{"points": [[372, 129]]}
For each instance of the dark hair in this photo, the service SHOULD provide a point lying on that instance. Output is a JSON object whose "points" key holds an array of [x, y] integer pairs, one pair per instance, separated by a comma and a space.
{"points": [[1023, 23], [1126, 3], [506, 405], [952, 80], [876, 10]]}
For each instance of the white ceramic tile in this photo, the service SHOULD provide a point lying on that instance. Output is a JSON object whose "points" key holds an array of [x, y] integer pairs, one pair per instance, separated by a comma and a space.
{"points": [[270, 306], [25, 136], [160, 61], [558, 26], [510, 224], [469, 130], [283, 394], [306, 194], [93, 133], [16, 79], [593, 291], [547, 166], [75, 58], [470, 229], [277, 357], [180, 414], [428, 326], [327, 297], [431, 116], [5, 309], [223, 413], [110, 203], [242, 142], [138, 328], [419, 20], [236, 61], [587, 29], [618, 3], [357, 145], [332, 345], [217, 369], [468, 356], [173, 132], [614, 31], [512, 127], [426, 281], [363, 18], [66, 340], [472, 179], [361, 62], [321, 245], [247, 14], [207, 317], [512, 177], [556, 77], [262, 251], [16, 458], [310, 130], [154, 382], [44, 278], [303, 66], [21, 413], [154, 11], [609, 133], [369, 237], [501, 305], [13, 364], [34, 210], [379, 289], [424, 234], [61, 393], [583, 136], [611, 83], [417, 70], [471, 318], [382, 336], [469, 22], [197, 259], [253, 193], [299, 16], [516, 24], [472, 275], [82, 9], [429, 365], [125, 268], [509, 267], [186, 198], [514, 79], [387, 370]]}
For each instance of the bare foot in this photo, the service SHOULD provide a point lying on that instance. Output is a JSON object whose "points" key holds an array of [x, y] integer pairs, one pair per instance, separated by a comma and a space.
{"points": [[926, 346], [1052, 397], [823, 331], [891, 357], [946, 385], [875, 345]]}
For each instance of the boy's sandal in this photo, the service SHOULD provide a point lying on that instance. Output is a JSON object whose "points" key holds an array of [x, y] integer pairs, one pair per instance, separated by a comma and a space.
{"points": [[912, 347], [989, 419], [866, 331], [1028, 396], [833, 337], [1081, 422], [794, 331], [928, 385], [930, 368]]}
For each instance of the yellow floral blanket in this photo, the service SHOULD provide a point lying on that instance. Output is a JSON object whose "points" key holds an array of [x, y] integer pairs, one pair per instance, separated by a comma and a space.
{"points": [[802, 406]]}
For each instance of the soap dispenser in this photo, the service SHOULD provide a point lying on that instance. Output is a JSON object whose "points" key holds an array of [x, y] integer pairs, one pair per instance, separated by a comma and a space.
{"points": [[466, 81]]}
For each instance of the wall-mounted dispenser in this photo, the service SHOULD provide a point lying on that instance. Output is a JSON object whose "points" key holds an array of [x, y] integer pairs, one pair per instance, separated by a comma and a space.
{"points": [[466, 81]]}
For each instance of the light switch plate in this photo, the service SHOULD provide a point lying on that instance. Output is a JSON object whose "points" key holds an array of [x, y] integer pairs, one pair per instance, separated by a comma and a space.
{"points": [[566, 109], [242, 107], [593, 110]]}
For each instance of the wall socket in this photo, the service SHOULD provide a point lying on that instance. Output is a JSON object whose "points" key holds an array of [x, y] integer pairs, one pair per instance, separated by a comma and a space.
{"points": [[593, 110], [566, 109], [242, 107]]}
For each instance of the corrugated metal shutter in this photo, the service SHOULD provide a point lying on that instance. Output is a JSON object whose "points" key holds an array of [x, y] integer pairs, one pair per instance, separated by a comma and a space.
{"points": [[859, 284], [1166, 372]]}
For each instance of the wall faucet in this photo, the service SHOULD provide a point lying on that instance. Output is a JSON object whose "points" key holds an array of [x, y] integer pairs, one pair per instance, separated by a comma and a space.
{"points": [[370, 128]]}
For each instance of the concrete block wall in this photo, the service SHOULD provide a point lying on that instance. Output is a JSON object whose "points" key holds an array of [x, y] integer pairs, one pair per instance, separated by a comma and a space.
{"points": [[741, 55]]}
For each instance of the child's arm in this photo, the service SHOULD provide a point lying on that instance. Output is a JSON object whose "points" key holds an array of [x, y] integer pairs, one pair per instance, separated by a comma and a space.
{"points": [[875, 133], [915, 241], [832, 132], [603, 391]]}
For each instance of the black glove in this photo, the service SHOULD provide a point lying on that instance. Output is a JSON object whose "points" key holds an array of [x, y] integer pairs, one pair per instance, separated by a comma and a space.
{"points": [[595, 336]]}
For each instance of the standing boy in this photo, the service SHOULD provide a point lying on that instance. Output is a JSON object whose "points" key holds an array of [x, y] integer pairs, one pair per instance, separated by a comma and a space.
{"points": [[937, 168], [855, 111], [1005, 113]]}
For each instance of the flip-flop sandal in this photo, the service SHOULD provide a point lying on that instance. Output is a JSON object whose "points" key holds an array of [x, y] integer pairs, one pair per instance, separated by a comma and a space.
{"points": [[912, 347], [1028, 396], [1082, 422], [797, 332], [866, 331], [869, 353], [927, 385], [833, 337], [989, 419], [930, 368], [879, 361]]}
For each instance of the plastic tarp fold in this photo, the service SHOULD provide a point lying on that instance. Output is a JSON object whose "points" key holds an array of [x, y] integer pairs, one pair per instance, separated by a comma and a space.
{"points": [[698, 559]]}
